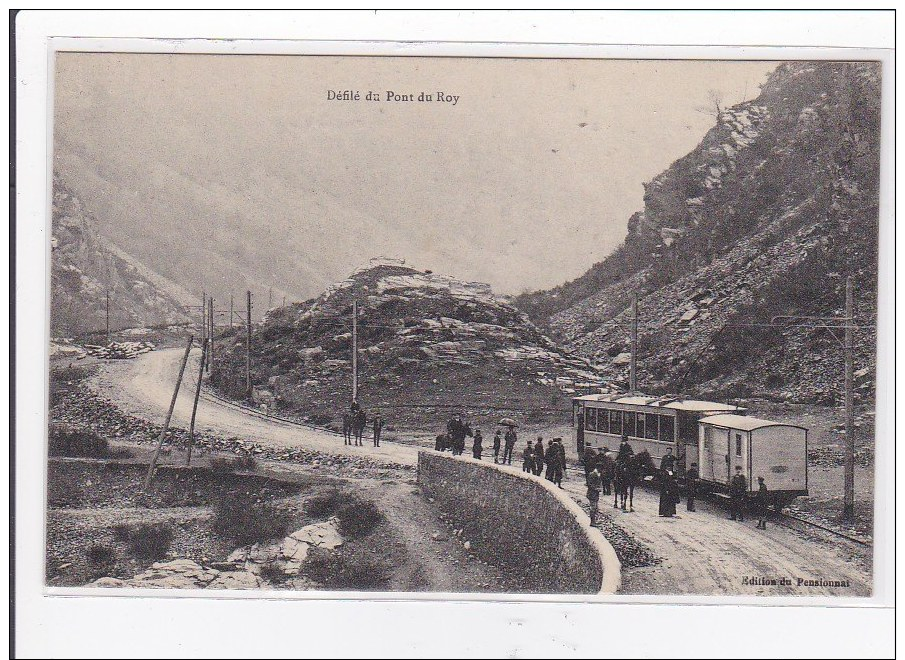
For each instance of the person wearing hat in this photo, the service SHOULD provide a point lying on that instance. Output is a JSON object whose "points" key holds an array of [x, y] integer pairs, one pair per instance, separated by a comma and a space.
{"points": [[763, 501], [377, 428], [594, 492], [559, 466], [738, 489], [509, 445], [691, 485], [477, 445], [497, 440], [528, 457], [539, 456], [607, 469]]}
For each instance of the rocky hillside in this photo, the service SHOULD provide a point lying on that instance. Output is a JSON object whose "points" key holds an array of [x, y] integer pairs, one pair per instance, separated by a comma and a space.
{"points": [[428, 345], [766, 217], [84, 268]]}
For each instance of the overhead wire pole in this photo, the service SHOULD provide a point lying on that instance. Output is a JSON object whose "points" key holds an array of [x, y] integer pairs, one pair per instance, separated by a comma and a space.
{"points": [[108, 317], [203, 315], [248, 346], [188, 456], [230, 311], [354, 350], [848, 506], [633, 365], [210, 351], [166, 423]]}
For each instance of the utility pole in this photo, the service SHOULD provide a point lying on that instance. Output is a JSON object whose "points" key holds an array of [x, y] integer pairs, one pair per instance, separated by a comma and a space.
{"points": [[270, 299], [248, 347], [230, 311], [848, 507], [188, 456], [166, 423], [203, 316], [210, 316], [108, 317], [354, 350], [633, 365]]}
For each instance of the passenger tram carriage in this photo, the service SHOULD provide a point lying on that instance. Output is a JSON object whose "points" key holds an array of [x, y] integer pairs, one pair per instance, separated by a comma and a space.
{"points": [[716, 436]]}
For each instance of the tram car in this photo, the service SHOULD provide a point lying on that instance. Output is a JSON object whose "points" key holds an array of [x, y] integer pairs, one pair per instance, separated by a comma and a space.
{"points": [[716, 436]]}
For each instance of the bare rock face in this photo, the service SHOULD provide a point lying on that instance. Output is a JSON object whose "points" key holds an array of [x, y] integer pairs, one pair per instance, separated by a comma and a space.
{"points": [[237, 580], [176, 574], [291, 552]]}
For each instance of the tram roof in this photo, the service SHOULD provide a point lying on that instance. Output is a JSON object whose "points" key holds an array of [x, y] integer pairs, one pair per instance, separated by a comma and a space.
{"points": [[742, 423], [674, 403]]}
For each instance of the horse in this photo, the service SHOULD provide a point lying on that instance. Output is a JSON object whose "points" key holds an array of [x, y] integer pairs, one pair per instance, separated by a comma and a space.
{"points": [[626, 475]]}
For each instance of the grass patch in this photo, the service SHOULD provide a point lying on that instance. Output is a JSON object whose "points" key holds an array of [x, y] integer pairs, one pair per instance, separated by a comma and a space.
{"points": [[150, 541], [237, 464], [357, 517], [81, 443], [241, 517], [335, 571], [326, 504]]}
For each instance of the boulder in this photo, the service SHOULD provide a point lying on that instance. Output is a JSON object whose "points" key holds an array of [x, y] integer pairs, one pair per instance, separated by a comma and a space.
{"points": [[236, 580]]}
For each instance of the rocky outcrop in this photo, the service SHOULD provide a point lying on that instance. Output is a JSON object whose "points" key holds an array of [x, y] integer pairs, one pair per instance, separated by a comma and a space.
{"points": [[84, 268], [763, 220], [287, 555], [184, 574]]}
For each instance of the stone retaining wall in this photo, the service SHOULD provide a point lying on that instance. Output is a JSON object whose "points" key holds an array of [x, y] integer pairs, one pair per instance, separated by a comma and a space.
{"points": [[523, 523]]}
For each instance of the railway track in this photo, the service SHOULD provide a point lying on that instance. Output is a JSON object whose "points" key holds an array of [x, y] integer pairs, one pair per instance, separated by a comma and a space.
{"points": [[809, 523]]}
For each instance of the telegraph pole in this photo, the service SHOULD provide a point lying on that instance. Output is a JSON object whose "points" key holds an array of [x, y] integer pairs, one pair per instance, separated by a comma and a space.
{"points": [[633, 366], [354, 350], [848, 508], [270, 299], [210, 316], [166, 423], [248, 347], [108, 317], [188, 456], [203, 316], [230, 311]]}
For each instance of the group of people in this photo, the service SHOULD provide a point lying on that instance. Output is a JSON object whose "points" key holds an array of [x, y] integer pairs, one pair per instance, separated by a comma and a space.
{"points": [[600, 469], [354, 423], [535, 457]]}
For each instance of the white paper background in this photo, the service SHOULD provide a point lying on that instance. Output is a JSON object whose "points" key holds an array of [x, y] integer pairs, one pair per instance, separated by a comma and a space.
{"points": [[54, 626]]}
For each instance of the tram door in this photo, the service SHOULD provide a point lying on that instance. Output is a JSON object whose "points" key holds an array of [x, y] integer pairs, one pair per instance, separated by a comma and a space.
{"points": [[714, 461]]}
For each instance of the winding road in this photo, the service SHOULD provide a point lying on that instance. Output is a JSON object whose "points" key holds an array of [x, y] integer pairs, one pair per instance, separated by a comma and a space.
{"points": [[703, 553]]}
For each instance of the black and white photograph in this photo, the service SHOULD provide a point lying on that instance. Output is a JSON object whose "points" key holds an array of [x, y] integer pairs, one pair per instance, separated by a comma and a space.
{"points": [[462, 325]]}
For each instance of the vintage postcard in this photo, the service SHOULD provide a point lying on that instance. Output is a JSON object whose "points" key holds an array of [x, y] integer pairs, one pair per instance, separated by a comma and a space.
{"points": [[473, 325]]}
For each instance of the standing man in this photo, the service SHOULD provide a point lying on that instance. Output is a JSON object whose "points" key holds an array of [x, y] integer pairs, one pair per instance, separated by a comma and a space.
{"points": [[377, 428], [509, 439], [594, 492], [477, 447], [606, 468], [539, 456], [589, 457], [763, 501], [559, 465], [497, 441], [528, 458], [359, 421], [738, 488], [691, 481]]}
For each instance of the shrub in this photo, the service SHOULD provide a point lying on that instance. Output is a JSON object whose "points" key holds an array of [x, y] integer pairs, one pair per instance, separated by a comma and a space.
{"points": [[326, 504], [121, 532], [150, 541], [273, 572], [240, 517], [359, 518], [100, 556], [77, 443], [335, 571]]}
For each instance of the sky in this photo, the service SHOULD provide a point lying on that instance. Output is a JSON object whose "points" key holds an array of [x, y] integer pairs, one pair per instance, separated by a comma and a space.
{"points": [[244, 162]]}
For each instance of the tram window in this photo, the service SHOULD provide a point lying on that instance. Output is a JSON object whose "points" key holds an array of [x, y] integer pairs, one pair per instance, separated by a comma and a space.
{"points": [[667, 433], [639, 425], [628, 422], [590, 422], [738, 444], [603, 420], [616, 422], [650, 426]]}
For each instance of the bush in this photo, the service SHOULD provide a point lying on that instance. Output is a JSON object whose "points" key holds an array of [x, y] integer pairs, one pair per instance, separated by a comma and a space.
{"points": [[240, 517], [359, 518], [121, 532], [334, 571], [326, 504], [150, 541], [100, 556], [273, 572], [77, 443]]}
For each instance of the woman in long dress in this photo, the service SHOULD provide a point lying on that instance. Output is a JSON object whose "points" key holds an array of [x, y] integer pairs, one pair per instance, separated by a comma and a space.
{"points": [[668, 493]]}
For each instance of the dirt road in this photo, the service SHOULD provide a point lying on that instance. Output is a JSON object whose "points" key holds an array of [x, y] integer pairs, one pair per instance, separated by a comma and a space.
{"points": [[703, 553]]}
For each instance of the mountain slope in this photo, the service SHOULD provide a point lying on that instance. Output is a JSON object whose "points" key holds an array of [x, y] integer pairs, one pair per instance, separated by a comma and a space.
{"points": [[766, 217], [428, 344], [84, 268]]}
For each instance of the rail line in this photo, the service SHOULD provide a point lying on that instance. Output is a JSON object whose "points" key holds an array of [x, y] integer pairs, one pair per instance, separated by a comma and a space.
{"points": [[854, 539]]}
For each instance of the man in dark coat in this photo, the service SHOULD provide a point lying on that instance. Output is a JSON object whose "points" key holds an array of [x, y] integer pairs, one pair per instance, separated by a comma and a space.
{"points": [[625, 451], [539, 456], [551, 457], [594, 492], [559, 467], [477, 447], [377, 427], [589, 458], [509, 441], [528, 458], [497, 441], [763, 501], [691, 484], [359, 421], [607, 469], [738, 489]]}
